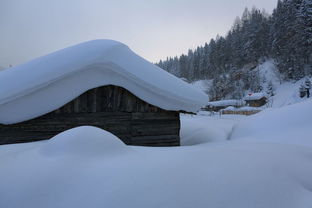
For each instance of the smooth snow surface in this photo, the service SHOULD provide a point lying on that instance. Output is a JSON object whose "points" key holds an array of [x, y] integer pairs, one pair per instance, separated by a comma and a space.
{"points": [[197, 130], [290, 124], [47, 83]]}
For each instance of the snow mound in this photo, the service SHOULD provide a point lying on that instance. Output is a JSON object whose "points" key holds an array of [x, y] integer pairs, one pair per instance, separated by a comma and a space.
{"points": [[49, 82], [84, 141], [290, 124]]}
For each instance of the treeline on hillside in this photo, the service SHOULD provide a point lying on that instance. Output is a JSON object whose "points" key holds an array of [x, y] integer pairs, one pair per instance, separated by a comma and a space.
{"points": [[285, 36]]}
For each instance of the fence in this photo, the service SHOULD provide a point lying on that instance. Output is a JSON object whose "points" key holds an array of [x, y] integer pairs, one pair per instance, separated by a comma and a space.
{"points": [[240, 112]]}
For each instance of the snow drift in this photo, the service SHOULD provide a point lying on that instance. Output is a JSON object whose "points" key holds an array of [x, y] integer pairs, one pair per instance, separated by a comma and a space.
{"points": [[84, 141], [198, 130], [225, 174], [290, 124], [47, 83]]}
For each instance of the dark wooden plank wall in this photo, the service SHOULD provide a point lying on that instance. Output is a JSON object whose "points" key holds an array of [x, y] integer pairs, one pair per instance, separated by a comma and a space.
{"points": [[257, 103], [111, 108], [108, 99]]}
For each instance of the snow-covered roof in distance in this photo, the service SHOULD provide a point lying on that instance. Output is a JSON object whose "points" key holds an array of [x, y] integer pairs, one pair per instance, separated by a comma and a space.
{"points": [[244, 108], [48, 82], [226, 103], [255, 96]]}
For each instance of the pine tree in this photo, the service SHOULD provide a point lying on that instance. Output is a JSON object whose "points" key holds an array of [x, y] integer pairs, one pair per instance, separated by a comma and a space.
{"points": [[305, 20]]}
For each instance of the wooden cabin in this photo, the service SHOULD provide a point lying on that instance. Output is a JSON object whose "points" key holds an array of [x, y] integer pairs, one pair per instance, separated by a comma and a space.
{"points": [[256, 99], [216, 106], [111, 108], [98, 83]]}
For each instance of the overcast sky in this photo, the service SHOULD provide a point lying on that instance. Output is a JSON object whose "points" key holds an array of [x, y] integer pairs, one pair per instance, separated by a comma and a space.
{"points": [[153, 29]]}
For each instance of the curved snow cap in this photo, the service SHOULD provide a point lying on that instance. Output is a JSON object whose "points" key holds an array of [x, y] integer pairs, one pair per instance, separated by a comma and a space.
{"points": [[47, 83], [84, 141]]}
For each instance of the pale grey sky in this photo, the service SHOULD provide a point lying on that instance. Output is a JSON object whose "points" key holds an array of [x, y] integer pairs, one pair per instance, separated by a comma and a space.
{"points": [[154, 29]]}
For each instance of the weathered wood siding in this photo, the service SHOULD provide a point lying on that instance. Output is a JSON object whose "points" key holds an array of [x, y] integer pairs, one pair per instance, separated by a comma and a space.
{"points": [[111, 108], [257, 103]]}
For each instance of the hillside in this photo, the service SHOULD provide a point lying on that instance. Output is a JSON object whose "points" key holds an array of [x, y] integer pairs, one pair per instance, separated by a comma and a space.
{"points": [[284, 36], [283, 93]]}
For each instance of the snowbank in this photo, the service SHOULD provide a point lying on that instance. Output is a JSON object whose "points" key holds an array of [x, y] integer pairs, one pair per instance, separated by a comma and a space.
{"points": [[196, 130], [241, 173], [47, 83], [224, 174], [290, 124], [84, 141]]}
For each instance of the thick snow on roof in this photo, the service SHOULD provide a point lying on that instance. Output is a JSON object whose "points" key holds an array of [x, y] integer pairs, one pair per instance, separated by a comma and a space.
{"points": [[255, 96], [47, 83], [226, 103], [244, 108]]}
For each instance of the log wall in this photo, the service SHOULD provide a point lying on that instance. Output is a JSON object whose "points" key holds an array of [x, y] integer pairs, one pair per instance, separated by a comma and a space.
{"points": [[111, 108], [257, 103]]}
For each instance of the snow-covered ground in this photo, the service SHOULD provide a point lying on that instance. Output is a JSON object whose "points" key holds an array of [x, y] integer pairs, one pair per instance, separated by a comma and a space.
{"points": [[287, 93], [261, 161]]}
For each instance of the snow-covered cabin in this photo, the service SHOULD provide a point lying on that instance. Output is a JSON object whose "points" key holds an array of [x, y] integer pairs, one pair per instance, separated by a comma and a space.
{"points": [[100, 83], [256, 99], [222, 104]]}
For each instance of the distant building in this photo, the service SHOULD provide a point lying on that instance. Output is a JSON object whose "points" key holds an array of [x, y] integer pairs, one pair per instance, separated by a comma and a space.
{"points": [[222, 104], [256, 99]]}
